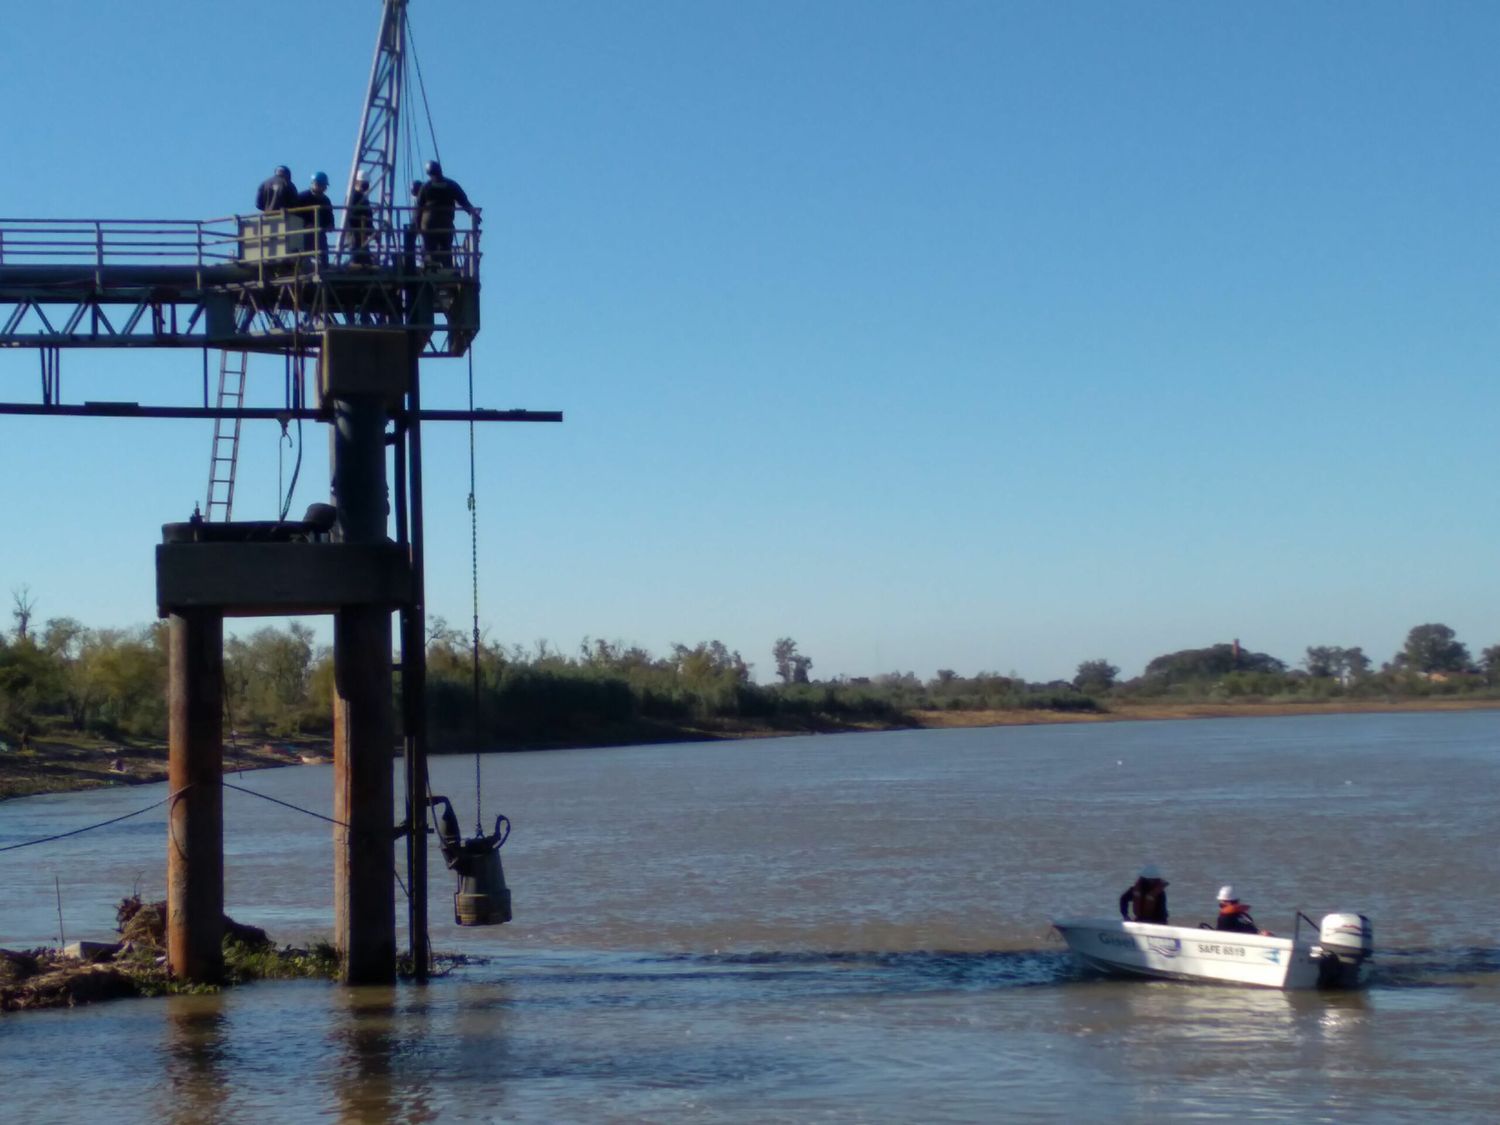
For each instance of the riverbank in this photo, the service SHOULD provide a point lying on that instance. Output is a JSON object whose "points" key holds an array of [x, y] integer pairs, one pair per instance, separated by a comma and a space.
{"points": [[56, 766], [1157, 711], [53, 765]]}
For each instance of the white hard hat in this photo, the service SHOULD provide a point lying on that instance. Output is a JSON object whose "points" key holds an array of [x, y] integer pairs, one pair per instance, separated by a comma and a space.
{"points": [[1226, 894], [1151, 871]]}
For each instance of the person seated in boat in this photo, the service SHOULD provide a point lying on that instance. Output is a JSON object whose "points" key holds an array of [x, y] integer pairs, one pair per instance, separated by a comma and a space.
{"points": [[1234, 915], [1145, 900]]}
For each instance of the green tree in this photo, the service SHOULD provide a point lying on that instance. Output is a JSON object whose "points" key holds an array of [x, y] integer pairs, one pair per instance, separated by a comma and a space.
{"points": [[31, 684], [1333, 662], [125, 679], [1433, 648], [1095, 676], [267, 678], [1489, 661], [23, 606], [1196, 664], [784, 653]]}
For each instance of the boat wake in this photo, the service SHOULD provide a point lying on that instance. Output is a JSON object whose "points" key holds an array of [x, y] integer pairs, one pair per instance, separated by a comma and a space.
{"points": [[1459, 967]]}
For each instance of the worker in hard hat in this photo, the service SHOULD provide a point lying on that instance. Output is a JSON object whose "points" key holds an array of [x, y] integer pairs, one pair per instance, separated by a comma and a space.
{"points": [[1145, 900], [317, 212], [437, 201], [277, 193], [359, 222], [1234, 915]]}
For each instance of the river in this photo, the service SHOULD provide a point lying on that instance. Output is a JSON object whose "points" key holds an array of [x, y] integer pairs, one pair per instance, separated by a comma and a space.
{"points": [[848, 928]]}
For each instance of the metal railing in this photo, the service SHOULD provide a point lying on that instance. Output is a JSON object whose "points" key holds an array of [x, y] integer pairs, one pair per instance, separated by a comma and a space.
{"points": [[276, 242]]}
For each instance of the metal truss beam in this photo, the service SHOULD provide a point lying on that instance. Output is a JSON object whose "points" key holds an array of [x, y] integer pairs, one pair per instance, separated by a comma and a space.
{"points": [[257, 413]]}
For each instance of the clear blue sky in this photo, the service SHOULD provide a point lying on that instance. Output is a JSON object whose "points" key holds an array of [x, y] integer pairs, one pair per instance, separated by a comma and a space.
{"points": [[974, 335]]}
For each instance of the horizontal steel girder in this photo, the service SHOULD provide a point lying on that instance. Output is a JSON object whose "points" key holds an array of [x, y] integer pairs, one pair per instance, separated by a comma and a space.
{"points": [[230, 307], [255, 413]]}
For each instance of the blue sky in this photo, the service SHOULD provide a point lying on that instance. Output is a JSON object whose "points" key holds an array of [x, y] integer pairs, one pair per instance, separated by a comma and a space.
{"points": [[968, 335]]}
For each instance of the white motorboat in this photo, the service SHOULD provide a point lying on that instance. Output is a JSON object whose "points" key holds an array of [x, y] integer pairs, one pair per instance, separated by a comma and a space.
{"points": [[1335, 954]]}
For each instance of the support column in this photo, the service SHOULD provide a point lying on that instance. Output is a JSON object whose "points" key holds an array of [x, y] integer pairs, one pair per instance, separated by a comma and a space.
{"points": [[195, 821], [364, 853], [414, 674], [364, 859]]}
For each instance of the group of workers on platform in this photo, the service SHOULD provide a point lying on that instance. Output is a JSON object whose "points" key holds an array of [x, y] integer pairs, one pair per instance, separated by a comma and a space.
{"points": [[1145, 900], [435, 203]]}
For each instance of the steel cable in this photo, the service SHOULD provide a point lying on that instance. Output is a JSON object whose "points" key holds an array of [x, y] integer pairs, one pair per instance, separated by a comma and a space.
{"points": [[91, 827], [474, 576]]}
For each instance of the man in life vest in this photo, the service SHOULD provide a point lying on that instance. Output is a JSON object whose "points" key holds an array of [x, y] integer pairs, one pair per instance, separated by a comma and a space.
{"points": [[1145, 900], [1234, 915]]}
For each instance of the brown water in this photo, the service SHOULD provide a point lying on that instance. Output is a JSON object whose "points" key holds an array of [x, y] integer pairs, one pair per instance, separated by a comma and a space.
{"points": [[848, 928]]}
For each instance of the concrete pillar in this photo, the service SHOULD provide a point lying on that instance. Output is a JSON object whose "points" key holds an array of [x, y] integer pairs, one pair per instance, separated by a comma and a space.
{"points": [[195, 822], [364, 737]]}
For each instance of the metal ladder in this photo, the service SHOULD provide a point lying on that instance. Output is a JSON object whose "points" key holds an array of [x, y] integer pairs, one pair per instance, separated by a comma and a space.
{"points": [[226, 448]]}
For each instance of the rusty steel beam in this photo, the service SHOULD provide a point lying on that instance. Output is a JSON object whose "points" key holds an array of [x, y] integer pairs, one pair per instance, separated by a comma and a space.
{"points": [[195, 841], [364, 853], [364, 842]]}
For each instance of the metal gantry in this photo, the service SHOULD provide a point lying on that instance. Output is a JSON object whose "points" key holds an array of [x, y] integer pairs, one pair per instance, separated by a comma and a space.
{"points": [[366, 310], [379, 141], [250, 283]]}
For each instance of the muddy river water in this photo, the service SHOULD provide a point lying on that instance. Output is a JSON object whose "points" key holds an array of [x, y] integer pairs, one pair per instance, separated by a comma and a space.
{"points": [[848, 928]]}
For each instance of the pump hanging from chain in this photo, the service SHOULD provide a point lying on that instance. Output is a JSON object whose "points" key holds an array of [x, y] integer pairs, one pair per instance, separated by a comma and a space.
{"points": [[482, 898]]}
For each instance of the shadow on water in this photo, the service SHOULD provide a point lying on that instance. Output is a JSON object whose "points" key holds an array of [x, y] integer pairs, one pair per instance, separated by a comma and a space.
{"points": [[918, 970], [196, 1056], [688, 979]]}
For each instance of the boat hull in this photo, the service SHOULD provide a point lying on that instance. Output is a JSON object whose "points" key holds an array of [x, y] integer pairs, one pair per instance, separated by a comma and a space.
{"points": [[1180, 953]]}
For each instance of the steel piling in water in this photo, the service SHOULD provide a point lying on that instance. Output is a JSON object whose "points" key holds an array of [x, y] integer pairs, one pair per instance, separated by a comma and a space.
{"points": [[195, 820]]}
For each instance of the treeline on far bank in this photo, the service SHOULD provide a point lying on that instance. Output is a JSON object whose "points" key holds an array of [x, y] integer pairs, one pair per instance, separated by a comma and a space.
{"points": [[63, 680]]}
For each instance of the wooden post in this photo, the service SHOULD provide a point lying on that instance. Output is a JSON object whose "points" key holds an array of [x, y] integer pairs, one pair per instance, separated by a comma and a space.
{"points": [[195, 822]]}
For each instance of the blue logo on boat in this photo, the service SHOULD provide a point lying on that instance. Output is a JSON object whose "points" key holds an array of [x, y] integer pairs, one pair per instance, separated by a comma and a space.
{"points": [[1272, 955], [1165, 947]]}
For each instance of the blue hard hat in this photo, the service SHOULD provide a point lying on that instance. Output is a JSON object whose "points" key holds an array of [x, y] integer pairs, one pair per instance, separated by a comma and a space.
{"points": [[282, 170], [434, 168], [320, 178]]}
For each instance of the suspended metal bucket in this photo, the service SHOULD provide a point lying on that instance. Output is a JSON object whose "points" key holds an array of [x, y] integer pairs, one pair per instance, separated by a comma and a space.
{"points": [[482, 898]]}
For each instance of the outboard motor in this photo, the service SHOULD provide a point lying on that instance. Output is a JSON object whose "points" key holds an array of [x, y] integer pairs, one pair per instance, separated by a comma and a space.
{"points": [[482, 898], [1345, 943]]}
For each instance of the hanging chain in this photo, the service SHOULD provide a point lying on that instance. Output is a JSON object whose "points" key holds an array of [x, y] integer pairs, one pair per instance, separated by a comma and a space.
{"points": [[474, 574]]}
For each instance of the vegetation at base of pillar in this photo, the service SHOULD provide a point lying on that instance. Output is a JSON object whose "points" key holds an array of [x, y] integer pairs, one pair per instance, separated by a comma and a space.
{"points": [[61, 680]]}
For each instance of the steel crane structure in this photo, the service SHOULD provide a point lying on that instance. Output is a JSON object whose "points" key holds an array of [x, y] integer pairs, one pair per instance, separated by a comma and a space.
{"points": [[364, 322]]}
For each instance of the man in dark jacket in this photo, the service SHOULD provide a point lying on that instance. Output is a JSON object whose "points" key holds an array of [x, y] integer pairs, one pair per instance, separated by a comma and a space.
{"points": [[1145, 900], [436, 202], [317, 212], [359, 222], [1234, 915], [278, 193]]}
